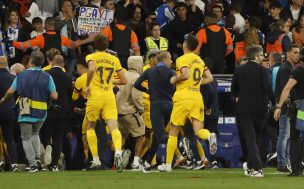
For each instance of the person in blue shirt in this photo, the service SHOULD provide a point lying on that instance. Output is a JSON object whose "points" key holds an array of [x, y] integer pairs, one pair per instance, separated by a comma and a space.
{"points": [[161, 92], [35, 87]]}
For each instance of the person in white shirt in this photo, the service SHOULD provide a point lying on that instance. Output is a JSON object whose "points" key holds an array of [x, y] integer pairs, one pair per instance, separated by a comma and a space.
{"points": [[38, 29]]}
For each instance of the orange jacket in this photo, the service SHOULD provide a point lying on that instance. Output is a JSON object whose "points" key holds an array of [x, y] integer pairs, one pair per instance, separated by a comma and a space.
{"points": [[202, 38], [239, 50], [39, 41], [276, 46], [134, 41]]}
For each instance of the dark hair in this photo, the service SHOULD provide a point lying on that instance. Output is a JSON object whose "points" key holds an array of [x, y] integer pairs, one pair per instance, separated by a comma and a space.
{"points": [[276, 26], [254, 22], [37, 20], [291, 47], [217, 6], [37, 58], [101, 42], [236, 6], [180, 4], [253, 50], [119, 16], [151, 25], [50, 22], [230, 21], [8, 14], [298, 24], [81, 61], [275, 4], [192, 42], [277, 57]]}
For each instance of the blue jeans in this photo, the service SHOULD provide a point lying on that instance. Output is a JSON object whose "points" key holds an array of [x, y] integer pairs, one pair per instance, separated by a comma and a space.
{"points": [[283, 145]]}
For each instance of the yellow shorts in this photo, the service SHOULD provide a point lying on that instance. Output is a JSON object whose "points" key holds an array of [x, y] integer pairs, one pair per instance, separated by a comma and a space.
{"points": [[187, 109], [146, 114], [105, 108]]}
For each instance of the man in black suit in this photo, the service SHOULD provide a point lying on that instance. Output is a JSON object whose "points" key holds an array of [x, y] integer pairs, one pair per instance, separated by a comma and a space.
{"points": [[60, 110], [251, 88]]}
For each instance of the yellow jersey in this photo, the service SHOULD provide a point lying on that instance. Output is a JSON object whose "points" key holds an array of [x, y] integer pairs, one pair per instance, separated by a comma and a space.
{"points": [[80, 86], [106, 67], [48, 67], [145, 84], [189, 88]]}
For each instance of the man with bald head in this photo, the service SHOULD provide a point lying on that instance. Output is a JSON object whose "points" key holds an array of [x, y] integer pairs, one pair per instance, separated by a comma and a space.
{"points": [[7, 114], [59, 114]]}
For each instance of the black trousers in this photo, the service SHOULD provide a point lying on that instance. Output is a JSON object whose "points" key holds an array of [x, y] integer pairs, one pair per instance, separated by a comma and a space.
{"points": [[296, 145], [160, 117], [53, 131], [269, 132], [251, 125], [7, 126]]}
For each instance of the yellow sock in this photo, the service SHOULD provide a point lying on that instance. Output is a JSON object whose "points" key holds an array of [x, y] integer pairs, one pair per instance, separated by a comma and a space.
{"points": [[171, 147], [200, 149], [116, 138], [153, 162], [204, 134], [92, 141]]}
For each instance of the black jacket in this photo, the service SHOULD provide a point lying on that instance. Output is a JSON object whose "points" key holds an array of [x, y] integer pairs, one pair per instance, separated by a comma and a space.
{"points": [[251, 86], [6, 80], [64, 87], [283, 76]]}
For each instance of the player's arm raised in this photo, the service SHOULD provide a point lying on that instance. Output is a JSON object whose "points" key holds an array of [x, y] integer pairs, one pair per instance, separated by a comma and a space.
{"points": [[207, 77], [185, 74], [122, 78]]}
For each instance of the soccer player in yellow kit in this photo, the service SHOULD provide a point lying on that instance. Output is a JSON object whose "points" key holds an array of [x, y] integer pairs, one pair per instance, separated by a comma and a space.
{"points": [[101, 99], [187, 100]]}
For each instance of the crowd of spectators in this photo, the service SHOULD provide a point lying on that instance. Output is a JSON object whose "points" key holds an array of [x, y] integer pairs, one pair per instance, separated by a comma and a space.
{"points": [[224, 29]]}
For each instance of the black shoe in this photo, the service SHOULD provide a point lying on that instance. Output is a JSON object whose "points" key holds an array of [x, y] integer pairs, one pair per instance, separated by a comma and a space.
{"points": [[295, 174], [53, 168], [33, 169], [283, 169], [14, 168], [39, 165], [146, 169]]}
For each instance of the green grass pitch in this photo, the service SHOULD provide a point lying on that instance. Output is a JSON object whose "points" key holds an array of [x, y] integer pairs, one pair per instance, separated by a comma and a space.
{"points": [[205, 179]]}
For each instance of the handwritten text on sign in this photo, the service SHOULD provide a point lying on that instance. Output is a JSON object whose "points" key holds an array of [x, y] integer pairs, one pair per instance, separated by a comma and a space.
{"points": [[91, 20]]}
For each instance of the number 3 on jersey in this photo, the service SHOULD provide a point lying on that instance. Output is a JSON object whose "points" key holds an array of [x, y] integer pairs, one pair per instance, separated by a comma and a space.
{"points": [[105, 74]]}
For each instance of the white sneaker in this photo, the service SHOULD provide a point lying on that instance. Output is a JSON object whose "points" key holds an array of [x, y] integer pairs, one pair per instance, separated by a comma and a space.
{"points": [[247, 171], [118, 162], [212, 144], [164, 168], [125, 157], [136, 167], [48, 155], [258, 173], [95, 164]]}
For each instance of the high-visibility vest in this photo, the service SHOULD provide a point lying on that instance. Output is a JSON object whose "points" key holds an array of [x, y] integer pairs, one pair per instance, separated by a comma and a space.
{"points": [[276, 46], [239, 50], [151, 45]]}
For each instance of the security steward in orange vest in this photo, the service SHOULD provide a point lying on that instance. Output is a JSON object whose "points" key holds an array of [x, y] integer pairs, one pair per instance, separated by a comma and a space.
{"points": [[50, 39], [121, 38]]}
